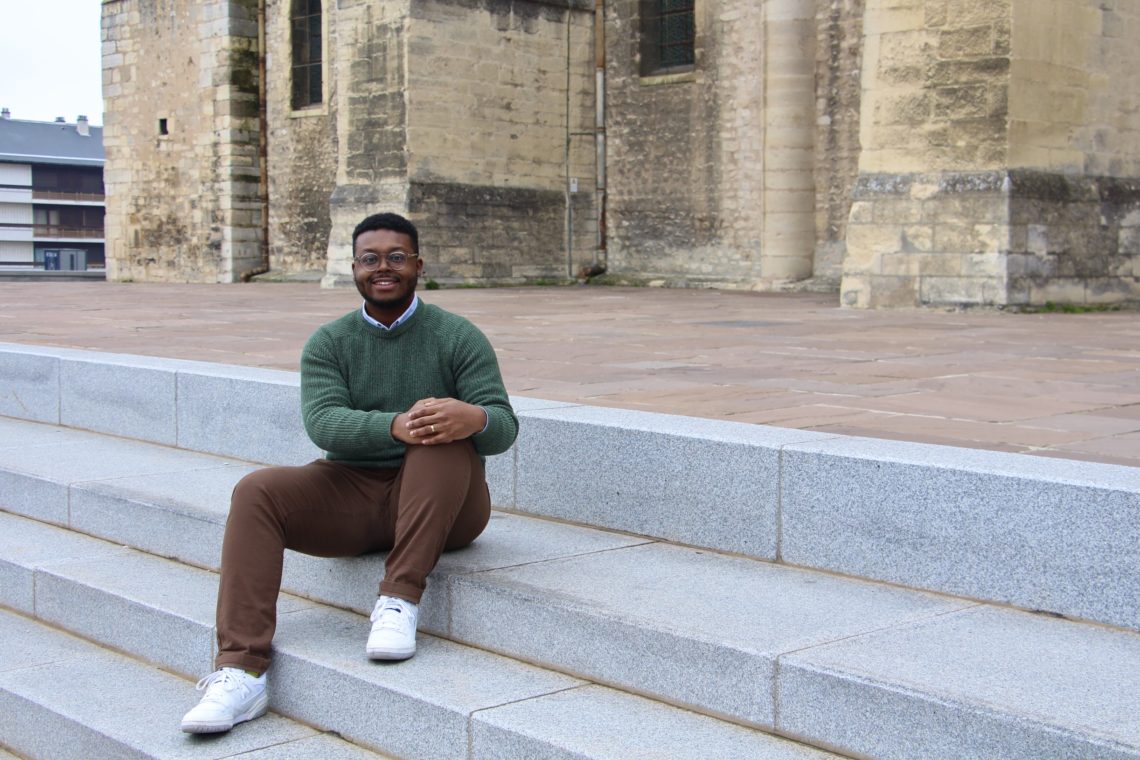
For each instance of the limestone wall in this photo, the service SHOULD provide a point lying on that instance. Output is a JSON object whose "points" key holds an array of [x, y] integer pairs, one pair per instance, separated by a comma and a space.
{"points": [[1075, 149], [711, 171], [495, 95], [458, 114], [182, 205], [839, 61], [302, 150], [1075, 87], [999, 155]]}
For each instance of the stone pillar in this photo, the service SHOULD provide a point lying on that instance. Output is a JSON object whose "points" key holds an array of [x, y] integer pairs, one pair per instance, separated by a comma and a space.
{"points": [[788, 242], [369, 66], [996, 171], [182, 134]]}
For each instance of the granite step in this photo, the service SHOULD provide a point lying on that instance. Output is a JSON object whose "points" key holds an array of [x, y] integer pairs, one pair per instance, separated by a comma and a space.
{"points": [[796, 652], [450, 701], [62, 697], [1030, 532]]}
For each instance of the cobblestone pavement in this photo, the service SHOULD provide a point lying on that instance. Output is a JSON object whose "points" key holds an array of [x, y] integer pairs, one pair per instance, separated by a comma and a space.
{"points": [[1062, 385]]}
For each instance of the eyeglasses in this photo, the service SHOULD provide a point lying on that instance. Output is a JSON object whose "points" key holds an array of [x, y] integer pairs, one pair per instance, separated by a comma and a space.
{"points": [[370, 262]]}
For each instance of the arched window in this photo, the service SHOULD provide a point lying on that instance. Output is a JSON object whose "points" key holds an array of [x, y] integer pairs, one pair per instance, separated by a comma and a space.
{"points": [[668, 30], [305, 18]]}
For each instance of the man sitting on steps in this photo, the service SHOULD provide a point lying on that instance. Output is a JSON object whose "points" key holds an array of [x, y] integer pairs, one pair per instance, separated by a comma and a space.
{"points": [[406, 399]]}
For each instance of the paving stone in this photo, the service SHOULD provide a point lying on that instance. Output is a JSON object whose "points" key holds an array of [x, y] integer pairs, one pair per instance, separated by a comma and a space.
{"points": [[698, 629], [320, 675], [29, 383], [177, 514], [131, 396], [656, 475], [159, 611], [352, 583], [26, 545], [84, 702], [34, 479], [248, 413], [601, 723], [1040, 534], [984, 682], [21, 434], [325, 747]]}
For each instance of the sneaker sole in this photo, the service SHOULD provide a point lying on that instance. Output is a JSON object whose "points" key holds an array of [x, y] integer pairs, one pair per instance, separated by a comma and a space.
{"points": [[256, 711], [390, 654]]}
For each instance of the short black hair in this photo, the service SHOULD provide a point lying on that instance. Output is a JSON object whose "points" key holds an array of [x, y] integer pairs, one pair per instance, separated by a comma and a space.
{"points": [[388, 221]]}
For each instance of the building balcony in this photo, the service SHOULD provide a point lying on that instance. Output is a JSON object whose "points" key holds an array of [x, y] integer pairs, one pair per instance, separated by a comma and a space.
{"points": [[56, 232], [68, 198]]}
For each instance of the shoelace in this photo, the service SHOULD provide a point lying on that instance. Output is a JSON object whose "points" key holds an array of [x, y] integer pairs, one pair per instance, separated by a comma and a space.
{"points": [[400, 619], [218, 683]]}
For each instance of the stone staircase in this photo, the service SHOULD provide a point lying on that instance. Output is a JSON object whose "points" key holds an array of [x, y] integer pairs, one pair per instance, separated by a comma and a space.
{"points": [[650, 586]]}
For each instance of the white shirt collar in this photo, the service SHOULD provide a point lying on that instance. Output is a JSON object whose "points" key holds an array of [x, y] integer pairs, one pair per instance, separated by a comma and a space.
{"points": [[402, 318]]}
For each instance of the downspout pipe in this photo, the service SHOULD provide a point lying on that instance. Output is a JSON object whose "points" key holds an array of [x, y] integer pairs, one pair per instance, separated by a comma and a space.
{"points": [[600, 131], [262, 149]]}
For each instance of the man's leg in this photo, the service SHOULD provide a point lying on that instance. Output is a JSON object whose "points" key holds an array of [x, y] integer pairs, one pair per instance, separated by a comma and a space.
{"points": [[441, 502], [321, 508]]}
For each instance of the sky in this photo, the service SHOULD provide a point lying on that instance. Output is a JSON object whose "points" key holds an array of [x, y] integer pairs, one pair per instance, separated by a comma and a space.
{"points": [[51, 59]]}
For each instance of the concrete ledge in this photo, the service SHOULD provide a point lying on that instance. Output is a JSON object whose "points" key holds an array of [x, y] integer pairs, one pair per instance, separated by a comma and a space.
{"points": [[1042, 534], [1055, 535], [695, 481], [65, 698]]}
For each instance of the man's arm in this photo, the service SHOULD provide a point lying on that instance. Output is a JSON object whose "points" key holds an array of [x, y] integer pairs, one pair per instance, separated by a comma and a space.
{"points": [[325, 406], [481, 412]]}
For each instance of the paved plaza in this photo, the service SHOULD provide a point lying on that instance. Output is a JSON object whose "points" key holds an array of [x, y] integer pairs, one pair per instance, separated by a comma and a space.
{"points": [[1061, 385]]}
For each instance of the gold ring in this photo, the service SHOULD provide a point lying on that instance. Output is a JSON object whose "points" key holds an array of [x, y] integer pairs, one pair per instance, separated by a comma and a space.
{"points": [[433, 428]]}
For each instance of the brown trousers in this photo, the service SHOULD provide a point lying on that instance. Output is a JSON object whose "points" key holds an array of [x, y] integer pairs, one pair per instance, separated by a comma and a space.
{"points": [[437, 500]]}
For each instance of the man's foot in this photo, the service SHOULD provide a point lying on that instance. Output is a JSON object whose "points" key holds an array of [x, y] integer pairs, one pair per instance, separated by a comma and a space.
{"points": [[232, 696], [393, 635]]}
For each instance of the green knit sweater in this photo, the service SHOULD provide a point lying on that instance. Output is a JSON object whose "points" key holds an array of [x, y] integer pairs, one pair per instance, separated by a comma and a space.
{"points": [[355, 378]]}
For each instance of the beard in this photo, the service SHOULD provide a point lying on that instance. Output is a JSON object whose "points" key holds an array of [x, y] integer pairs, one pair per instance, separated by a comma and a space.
{"points": [[403, 297]]}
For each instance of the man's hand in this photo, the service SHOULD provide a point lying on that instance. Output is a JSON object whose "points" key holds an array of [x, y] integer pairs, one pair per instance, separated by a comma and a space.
{"points": [[438, 420]]}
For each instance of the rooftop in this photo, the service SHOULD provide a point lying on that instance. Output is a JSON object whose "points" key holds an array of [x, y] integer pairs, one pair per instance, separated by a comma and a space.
{"points": [[50, 142]]}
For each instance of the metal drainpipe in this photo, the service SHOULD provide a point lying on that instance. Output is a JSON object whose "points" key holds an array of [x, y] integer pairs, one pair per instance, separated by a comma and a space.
{"points": [[262, 149], [566, 157], [600, 128]]}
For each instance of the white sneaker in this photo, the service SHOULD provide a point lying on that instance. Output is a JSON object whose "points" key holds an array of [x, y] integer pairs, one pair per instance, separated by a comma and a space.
{"points": [[232, 696], [393, 635]]}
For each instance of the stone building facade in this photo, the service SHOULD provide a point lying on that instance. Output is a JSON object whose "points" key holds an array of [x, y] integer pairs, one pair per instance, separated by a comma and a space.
{"points": [[901, 152]]}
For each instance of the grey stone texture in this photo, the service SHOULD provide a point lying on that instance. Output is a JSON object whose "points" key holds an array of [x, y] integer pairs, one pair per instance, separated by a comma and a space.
{"points": [[655, 474], [604, 724], [29, 382], [129, 396], [252, 414], [695, 628], [27, 545], [430, 697], [35, 479], [64, 698], [180, 514], [1045, 534], [983, 682]]}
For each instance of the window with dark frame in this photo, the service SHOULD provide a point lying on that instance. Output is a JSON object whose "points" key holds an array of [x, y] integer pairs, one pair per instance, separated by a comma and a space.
{"points": [[668, 32], [305, 20]]}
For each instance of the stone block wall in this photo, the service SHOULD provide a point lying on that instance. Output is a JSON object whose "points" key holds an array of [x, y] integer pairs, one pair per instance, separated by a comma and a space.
{"points": [[986, 129], [711, 170], [459, 114], [839, 62], [181, 135], [302, 152]]}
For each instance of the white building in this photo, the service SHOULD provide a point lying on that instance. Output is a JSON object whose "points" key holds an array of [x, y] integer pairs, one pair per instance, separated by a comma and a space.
{"points": [[51, 195]]}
